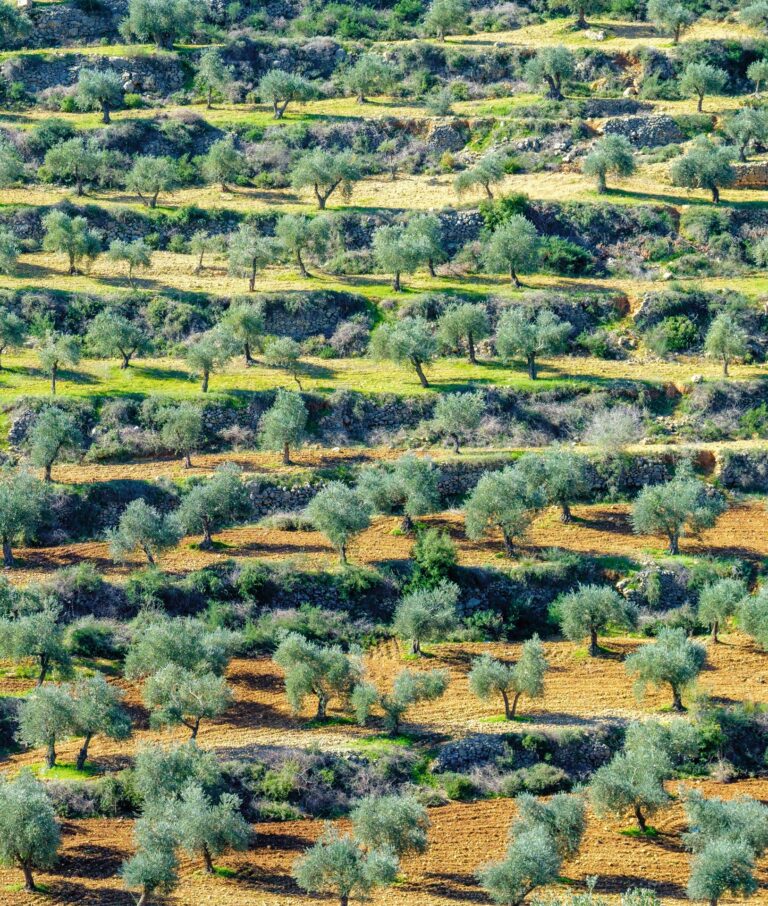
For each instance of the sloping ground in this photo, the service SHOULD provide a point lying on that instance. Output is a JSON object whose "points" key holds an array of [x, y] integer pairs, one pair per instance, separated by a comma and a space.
{"points": [[580, 691], [599, 529], [463, 837]]}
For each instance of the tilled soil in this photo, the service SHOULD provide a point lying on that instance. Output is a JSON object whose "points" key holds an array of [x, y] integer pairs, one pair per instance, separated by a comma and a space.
{"points": [[600, 529], [463, 837], [579, 691]]}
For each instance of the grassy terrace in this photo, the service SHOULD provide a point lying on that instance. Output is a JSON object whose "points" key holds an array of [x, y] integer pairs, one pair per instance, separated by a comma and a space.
{"points": [[21, 376]]}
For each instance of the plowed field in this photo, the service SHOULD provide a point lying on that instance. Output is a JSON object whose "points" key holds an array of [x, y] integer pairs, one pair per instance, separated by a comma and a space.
{"points": [[601, 529], [463, 837]]}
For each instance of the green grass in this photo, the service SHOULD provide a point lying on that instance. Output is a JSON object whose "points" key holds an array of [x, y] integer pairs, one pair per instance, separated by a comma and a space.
{"points": [[501, 719], [316, 724], [222, 872], [648, 833], [65, 771], [19, 888]]}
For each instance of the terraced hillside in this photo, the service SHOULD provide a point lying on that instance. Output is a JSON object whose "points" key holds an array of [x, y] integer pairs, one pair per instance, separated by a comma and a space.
{"points": [[384, 452]]}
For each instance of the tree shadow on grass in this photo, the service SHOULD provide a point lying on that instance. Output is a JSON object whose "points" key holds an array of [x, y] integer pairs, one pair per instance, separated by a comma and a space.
{"points": [[152, 372]]}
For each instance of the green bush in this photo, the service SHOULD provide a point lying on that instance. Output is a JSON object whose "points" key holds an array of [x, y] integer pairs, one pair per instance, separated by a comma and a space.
{"points": [[91, 638], [540, 779], [566, 258], [459, 787]]}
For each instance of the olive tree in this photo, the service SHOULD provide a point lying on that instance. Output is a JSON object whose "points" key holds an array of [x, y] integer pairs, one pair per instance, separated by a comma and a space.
{"points": [[76, 160], [591, 609], [339, 512], [672, 660], [513, 248], [13, 331], [464, 324], [502, 501], [681, 505], [552, 66], [563, 816], [37, 636], [409, 486], [244, 320], [72, 237], [224, 163], [427, 615], [283, 426], [211, 505], [396, 823], [55, 433], [747, 127], [176, 696], [755, 14], [57, 350], [209, 828], [9, 253], [407, 341], [446, 16], [182, 430], [154, 866], [632, 783], [97, 710], [561, 476], [612, 154], [164, 22], [112, 334], [486, 173], [23, 499], [325, 172], [29, 831], [704, 166], [458, 416], [718, 601], [202, 244], [99, 89], [184, 641], [142, 527], [369, 74], [409, 688], [45, 717], [278, 88], [426, 233], [314, 670], [522, 331], [726, 340], [162, 773], [701, 79], [670, 17], [212, 75], [490, 677], [149, 176], [743, 819], [757, 72], [338, 866], [12, 169], [531, 861], [298, 236], [285, 353], [135, 254], [395, 253], [725, 866], [249, 252], [210, 351]]}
